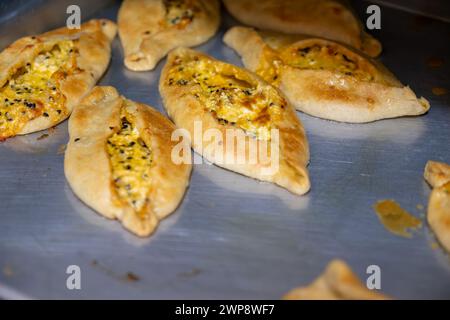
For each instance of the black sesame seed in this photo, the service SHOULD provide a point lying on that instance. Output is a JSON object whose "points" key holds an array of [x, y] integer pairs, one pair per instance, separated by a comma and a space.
{"points": [[346, 58], [182, 82]]}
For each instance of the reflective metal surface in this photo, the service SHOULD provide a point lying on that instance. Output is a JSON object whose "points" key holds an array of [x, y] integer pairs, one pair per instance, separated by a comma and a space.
{"points": [[234, 237]]}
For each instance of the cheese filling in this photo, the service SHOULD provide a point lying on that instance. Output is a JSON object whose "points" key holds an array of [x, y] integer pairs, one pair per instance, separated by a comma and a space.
{"points": [[130, 161], [178, 12], [315, 57], [33, 91], [230, 95]]}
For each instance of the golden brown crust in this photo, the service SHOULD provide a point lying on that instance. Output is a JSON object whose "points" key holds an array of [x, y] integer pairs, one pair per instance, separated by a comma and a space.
{"points": [[328, 19], [185, 110], [146, 39], [325, 93], [437, 174], [93, 43], [88, 170], [338, 282]]}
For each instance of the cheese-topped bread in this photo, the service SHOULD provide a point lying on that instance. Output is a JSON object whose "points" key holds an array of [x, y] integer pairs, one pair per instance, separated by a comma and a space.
{"points": [[118, 160], [323, 78], [43, 77], [437, 174], [149, 29], [337, 282], [213, 100], [330, 19]]}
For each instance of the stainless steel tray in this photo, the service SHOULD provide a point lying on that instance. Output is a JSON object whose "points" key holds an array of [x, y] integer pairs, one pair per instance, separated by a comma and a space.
{"points": [[234, 237]]}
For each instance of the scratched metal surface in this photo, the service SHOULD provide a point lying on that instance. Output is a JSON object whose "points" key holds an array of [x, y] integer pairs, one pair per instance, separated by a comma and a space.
{"points": [[233, 237]]}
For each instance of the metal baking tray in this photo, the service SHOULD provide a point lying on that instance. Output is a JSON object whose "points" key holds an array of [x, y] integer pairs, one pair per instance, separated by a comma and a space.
{"points": [[234, 237]]}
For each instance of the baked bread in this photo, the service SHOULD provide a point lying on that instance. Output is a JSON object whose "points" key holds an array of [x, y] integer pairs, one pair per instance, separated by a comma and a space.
{"points": [[43, 77], [235, 119], [149, 29], [323, 78], [118, 161], [330, 19], [437, 174], [338, 282]]}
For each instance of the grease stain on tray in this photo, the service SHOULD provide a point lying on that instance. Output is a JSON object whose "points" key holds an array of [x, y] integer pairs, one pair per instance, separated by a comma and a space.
{"points": [[132, 277], [396, 219], [61, 149], [435, 62], [191, 273], [434, 245], [439, 91], [8, 271], [42, 136], [128, 277]]}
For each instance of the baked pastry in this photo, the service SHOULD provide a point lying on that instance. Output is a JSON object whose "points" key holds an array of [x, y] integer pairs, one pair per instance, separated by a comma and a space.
{"points": [[233, 117], [118, 160], [43, 77], [330, 19], [149, 29], [437, 174], [323, 78], [338, 282]]}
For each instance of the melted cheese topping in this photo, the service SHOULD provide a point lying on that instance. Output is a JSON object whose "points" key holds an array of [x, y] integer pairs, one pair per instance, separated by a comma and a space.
{"points": [[316, 57], [130, 161], [179, 12], [33, 90], [230, 95], [446, 187]]}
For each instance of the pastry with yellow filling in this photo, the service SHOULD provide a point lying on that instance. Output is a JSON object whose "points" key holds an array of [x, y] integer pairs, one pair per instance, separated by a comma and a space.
{"points": [[118, 161], [325, 79], [43, 77], [437, 174], [223, 107], [338, 282], [149, 29], [329, 19]]}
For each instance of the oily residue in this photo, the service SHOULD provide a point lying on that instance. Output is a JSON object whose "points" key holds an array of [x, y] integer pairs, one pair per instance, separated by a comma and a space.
{"points": [[8, 271], [435, 62], [439, 91], [61, 149], [395, 219], [191, 273], [128, 277], [132, 277], [42, 136]]}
